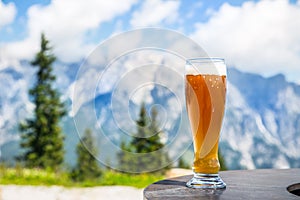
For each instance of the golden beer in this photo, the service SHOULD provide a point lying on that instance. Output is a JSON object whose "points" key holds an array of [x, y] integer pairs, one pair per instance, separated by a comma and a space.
{"points": [[205, 100]]}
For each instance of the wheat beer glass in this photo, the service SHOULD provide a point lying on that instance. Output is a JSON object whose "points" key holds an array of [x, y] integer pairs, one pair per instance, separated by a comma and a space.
{"points": [[205, 91]]}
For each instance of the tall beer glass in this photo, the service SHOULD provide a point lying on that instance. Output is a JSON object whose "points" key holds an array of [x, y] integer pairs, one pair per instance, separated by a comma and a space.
{"points": [[205, 90]]}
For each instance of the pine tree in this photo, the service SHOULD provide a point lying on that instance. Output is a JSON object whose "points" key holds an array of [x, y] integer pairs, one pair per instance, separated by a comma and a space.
{"points": [[147, 140], [42, 137], [87, 167], [223, 166], [183, 164]]}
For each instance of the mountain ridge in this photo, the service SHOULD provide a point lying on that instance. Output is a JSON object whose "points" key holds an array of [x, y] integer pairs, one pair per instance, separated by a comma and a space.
{"points": [[260, 130]]}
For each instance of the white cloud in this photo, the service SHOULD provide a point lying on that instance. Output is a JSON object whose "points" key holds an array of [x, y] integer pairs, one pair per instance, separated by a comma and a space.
{"points": [[155, 12], [262, 37], [7, 13], [194, 9], [65, 23]]}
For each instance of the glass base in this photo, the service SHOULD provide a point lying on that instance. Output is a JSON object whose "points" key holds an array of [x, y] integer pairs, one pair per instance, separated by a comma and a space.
{"points": [[212, 181]]}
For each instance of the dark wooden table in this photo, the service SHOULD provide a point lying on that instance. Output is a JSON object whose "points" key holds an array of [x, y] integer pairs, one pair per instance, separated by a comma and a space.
{"points": [[241, 184]]}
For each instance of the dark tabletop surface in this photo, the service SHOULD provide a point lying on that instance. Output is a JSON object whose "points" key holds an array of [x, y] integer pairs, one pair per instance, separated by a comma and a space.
{"points": [[241, 184]]}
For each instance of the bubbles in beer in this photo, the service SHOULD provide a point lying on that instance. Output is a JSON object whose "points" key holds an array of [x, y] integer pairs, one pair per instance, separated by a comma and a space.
{"points": [[205, 108]]}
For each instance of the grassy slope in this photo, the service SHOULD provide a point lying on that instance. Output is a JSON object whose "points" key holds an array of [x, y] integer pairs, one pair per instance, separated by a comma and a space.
{"points": [[20, 176]]}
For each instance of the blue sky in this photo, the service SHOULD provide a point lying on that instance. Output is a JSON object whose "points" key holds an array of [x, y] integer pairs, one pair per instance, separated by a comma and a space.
{"points": [[17, 30], [255, 36]]}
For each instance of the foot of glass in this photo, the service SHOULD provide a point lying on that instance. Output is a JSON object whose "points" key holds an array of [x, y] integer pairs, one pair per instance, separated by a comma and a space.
{"points": [[212, 181]]}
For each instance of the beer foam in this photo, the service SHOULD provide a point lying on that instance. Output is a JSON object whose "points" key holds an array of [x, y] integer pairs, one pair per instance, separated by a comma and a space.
{"points": [[209, 68]]}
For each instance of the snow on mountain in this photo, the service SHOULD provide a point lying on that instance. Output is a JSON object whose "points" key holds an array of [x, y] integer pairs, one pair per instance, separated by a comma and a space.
{"points": [[261, 126], [14, 101]]}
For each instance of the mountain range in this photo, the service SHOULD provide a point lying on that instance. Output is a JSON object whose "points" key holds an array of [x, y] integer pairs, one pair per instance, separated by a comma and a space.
{"points": [[261, 127]]}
